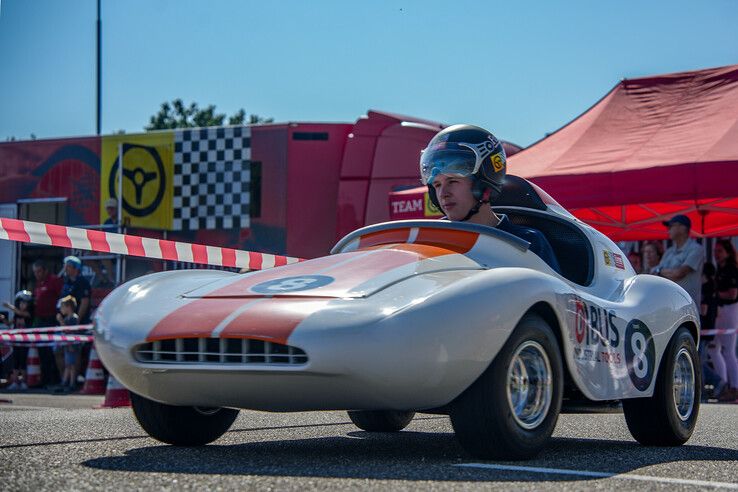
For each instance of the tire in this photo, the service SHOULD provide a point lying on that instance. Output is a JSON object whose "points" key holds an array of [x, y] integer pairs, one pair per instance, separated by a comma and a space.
{"points": [[659, 420], [381, 420], [484, 417], [181, 426]]}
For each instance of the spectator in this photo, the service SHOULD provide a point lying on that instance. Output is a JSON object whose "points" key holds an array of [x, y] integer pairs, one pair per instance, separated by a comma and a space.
{"points": [[111, 207], [101, 274], [22, 316], [722, 349], [635, 261], [708, 313], [71, 352], [651, 255], [682, 262], [77, 286], [46, 292]]}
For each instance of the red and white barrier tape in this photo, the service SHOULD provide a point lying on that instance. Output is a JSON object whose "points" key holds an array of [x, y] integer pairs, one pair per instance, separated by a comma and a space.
{"points": [[42, 337], [719, 332], [125, 244], [47, 329]]}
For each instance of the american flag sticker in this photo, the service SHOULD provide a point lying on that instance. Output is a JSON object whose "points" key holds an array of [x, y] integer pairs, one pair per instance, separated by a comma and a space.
{"points": [[618, 261]]}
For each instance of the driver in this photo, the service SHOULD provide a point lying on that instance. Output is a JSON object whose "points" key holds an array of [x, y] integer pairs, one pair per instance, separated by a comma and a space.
{"points": [[464, 167]]}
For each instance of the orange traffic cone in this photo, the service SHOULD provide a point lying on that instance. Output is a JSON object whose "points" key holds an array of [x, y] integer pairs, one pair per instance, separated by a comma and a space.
{"points": [[94, 377], [33, 368], [116, 395]]}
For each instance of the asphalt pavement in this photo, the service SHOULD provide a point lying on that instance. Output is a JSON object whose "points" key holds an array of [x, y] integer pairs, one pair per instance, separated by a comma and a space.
{"points": [[52, 442]]}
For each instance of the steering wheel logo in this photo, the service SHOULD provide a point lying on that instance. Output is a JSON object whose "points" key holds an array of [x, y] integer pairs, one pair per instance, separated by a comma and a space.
{"points": [[144, 171]]}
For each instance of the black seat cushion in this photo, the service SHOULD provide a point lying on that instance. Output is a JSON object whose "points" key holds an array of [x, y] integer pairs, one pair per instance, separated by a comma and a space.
{"points": [[517, 192], [570, 245]]}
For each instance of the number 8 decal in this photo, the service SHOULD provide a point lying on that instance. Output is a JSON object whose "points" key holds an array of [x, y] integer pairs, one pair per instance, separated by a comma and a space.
{"points": [[640, 354]]}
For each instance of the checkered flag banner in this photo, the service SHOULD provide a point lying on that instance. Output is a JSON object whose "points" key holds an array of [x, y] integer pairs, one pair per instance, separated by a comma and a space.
{"points": [[211, 178]]}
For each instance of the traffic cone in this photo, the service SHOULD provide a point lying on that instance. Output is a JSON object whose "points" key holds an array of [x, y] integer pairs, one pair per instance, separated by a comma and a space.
{"points": [[94, 376], [33, 368], [116, 395]]}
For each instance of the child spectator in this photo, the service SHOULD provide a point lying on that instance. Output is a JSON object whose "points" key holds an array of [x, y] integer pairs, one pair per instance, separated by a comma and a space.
{"points": [[22, 317], [68, 317]]}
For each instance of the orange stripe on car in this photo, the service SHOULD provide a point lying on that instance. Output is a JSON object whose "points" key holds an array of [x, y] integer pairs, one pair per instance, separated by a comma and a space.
{"points": [[273, 320], [196, 319], [384, 237]]}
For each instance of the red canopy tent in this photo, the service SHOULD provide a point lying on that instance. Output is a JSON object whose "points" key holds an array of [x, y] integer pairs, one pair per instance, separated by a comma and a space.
{"points": [[651, 148]]}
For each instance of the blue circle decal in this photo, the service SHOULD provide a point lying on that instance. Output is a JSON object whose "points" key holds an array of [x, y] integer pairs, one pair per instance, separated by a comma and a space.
{"points": [[292, 284]]}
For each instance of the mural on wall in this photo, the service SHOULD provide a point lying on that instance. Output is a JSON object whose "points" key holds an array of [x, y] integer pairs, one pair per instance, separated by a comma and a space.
{"points": [[192, 185], [211, 178], [147, 178], [183, 180], [68, 168]]}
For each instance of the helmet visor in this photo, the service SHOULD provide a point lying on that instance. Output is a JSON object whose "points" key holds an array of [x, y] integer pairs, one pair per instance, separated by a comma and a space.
{"points": [[447, 158]]}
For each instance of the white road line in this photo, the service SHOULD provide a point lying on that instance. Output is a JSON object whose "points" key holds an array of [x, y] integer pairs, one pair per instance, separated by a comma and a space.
{"points": [[596, 474]]}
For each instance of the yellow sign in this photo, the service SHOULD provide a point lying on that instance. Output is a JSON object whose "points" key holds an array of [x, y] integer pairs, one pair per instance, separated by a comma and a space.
{"points": [[497, 162], [430, 210], [148, 170]]}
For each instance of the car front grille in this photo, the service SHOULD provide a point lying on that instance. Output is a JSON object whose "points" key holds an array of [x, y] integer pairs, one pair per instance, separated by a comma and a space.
{"points": [[228, 351]]}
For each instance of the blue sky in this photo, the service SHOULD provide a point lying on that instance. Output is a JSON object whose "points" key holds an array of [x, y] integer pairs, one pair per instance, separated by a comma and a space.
{"points": [[521, 69]]}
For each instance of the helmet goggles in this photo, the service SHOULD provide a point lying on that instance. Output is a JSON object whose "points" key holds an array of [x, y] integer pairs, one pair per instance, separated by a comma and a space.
{"points": [[455, 158]]}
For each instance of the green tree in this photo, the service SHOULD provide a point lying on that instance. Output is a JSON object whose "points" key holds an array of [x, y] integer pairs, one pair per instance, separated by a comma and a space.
{"points": [[177, 115]]}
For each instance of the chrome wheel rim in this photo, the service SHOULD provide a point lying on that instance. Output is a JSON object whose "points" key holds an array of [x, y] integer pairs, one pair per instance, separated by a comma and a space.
{"points": [[683, 384], [529, 385]]}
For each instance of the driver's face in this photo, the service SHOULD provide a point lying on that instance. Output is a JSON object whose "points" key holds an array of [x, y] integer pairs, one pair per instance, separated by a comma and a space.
{"points": [[454, 194]]}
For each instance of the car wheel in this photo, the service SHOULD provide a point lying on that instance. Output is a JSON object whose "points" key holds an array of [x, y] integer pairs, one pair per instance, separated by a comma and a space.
{"points": [[511, 409], [181, 426], [380, 420], [668, 417]]}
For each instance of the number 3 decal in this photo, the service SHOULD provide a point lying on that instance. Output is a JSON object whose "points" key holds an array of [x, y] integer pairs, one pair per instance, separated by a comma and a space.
{"points": [[640, 354]]}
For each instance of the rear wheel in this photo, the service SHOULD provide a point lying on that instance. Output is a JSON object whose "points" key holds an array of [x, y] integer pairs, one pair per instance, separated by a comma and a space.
{"points": [[668, 417], [511, 410], [181, 426], [380, 420]]}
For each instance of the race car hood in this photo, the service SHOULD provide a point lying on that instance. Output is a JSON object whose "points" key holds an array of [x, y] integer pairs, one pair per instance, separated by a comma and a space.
{"points": [[355, 274]]}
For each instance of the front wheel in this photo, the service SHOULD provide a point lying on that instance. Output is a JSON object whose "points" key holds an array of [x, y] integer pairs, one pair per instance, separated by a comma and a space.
{"points": [[511, 410], [668, 417], [182, 426], [380, 420]]}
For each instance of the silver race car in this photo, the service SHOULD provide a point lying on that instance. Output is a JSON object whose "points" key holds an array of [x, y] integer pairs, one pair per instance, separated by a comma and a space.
{"points": [[415, 316]]}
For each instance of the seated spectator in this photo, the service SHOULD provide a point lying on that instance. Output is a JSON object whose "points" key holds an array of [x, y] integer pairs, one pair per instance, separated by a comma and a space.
{"points": [[68, 317]]}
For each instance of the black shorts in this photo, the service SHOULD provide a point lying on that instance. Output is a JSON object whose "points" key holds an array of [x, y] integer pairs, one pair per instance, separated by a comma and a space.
{"points": [[19, 358]]}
